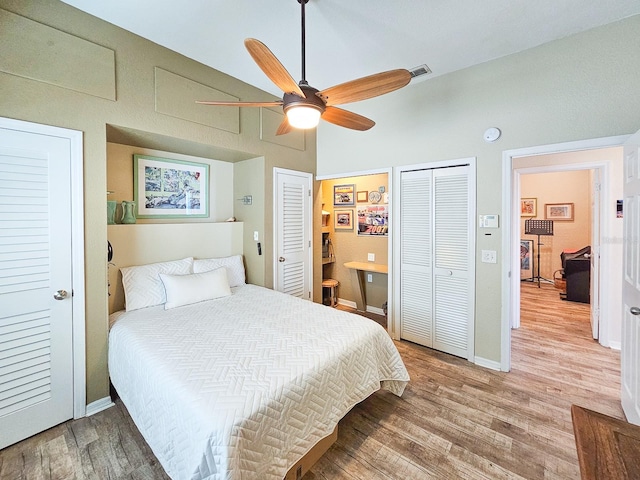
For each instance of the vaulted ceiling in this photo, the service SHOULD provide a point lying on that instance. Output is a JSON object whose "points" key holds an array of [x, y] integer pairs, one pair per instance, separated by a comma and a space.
{"points": [[348, 39]]}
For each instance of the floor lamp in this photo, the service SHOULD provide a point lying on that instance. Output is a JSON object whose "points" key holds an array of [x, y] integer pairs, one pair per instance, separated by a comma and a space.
{"points": [[539, 228]]}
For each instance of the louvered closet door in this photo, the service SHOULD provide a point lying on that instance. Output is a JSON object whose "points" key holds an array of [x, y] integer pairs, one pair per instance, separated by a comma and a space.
{"points": [[293, 233], [36, 389], [416, 251], [452, 308], [436, 307]]}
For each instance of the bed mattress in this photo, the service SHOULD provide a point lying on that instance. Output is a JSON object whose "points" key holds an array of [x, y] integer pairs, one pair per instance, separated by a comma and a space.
{"points": [[243, 386]]}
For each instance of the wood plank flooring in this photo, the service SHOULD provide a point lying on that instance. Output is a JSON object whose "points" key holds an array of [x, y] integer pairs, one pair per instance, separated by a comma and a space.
{"points": [[455, 419]]}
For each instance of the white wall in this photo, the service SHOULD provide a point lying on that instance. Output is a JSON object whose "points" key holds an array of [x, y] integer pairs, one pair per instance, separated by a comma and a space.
{"points": [[584, 86]]}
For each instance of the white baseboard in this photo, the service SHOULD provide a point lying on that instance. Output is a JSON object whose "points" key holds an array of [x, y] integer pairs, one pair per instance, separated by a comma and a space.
{"points": [[376, 310], [347, 303], [99, 405], [369, 308], [615, 345], [483, 362]]}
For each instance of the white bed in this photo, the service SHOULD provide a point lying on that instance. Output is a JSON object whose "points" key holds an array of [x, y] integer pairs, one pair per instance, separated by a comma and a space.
{"points": [[243, 386]]}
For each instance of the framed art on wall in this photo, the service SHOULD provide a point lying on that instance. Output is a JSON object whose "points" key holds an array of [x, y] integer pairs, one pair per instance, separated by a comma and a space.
{"points": [[526, 259], [528, 207], [558, 211], [373, 220], [343, 195], [167, 188], [343, 219], [363, 196]]}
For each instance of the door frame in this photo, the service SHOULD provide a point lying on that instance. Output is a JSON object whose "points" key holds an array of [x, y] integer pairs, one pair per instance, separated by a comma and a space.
{"points": [[391, 326], [75, 139], [510, 238], [308, 225]]}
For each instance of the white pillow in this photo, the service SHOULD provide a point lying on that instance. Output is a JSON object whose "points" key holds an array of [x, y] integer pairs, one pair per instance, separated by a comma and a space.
{"points": [[142, 285], [197, 287], [233, 265]]}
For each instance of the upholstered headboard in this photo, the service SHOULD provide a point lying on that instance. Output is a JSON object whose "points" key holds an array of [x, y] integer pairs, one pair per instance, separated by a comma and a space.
{"points": [[140, 244]]}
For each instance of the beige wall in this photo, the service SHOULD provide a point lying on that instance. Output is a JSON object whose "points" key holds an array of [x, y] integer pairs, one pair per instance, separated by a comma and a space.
{"points": [[120, 182], [558, 187], [348, 246], [130, 119], [580, 87]]}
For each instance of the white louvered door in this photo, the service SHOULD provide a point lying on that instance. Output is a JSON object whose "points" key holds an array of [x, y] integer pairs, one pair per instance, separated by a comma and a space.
{"points": [[436, 281], [416, 257], [630, 352], [36, 363], [292, 212]]}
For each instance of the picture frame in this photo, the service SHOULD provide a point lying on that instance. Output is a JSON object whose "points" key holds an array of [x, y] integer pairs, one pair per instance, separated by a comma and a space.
{"points": [[344, 195], [528, 207], [373, 220], [362, 196], [526, 259], [558, 212], [169, 188], [343, 219]]}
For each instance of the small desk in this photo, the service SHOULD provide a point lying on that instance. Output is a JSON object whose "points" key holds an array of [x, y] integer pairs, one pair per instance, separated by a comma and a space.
{"points": [[357, 270]]}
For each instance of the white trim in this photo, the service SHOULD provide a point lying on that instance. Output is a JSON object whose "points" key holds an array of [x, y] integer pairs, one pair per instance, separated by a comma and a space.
{"points": [[77, 252], [376, 310], [491, 364], [360, 173], [510, 193], [99, 405], [347, 303], [615, 346]]}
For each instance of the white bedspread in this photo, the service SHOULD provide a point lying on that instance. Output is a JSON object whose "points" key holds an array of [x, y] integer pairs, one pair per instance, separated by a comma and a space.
{"points": [[244, 386]]}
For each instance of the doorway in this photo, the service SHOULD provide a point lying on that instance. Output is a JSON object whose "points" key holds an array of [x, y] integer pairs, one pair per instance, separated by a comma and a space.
{"points": [[595, 154]]}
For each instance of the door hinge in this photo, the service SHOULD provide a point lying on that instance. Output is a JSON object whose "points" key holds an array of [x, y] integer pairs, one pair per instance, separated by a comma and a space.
{"points": [[309, 243], [309, 192], [597, 187]]}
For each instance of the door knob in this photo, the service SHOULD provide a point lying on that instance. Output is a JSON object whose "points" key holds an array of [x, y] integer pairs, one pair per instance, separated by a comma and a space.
{"points": [[281, 259], [60, 295], [635, 310]]}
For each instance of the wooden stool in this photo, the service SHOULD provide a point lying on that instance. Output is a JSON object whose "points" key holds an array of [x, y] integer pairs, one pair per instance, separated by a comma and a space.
{"points": [[332, 285]]}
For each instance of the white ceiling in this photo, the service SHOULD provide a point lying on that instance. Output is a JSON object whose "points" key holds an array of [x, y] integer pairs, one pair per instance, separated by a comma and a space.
{"points": [[348, 39]]}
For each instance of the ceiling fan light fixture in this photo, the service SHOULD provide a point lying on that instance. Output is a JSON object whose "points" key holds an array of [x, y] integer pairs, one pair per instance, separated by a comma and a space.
{"points": [[303, 116]]}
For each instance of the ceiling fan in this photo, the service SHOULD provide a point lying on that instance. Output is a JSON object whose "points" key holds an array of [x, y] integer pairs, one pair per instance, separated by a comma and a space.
{"points": [[304, 105]]}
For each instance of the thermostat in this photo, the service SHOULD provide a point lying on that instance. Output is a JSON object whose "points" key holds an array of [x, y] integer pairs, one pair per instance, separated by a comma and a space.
{"points": [[488, 221]]}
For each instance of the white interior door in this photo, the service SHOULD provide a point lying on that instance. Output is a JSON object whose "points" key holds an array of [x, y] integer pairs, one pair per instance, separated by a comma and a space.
{"points": [[594, 292], [630, 352], [436, 289], [36, 348], [292, 247]]}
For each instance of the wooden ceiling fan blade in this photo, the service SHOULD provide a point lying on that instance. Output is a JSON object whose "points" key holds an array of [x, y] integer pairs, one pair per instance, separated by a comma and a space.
{"points": [[284, 127], [366, 87], [347, 119], [277, 103], [272, 67]]}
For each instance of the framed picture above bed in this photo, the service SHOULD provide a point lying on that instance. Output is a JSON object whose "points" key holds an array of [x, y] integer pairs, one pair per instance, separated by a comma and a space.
{"points": [[167, 188]]}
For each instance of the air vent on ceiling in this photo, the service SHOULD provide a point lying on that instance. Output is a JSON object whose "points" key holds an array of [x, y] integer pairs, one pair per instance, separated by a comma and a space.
{"points": [[419, 71]]}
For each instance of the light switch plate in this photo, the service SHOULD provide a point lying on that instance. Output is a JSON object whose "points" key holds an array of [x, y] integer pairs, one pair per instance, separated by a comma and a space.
{"points": [[371, 257], [256, 237], [369, 277], [489, 256]]}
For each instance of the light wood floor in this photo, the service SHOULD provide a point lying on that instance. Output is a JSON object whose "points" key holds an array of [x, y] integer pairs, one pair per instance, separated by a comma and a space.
{"points": [[455, 419]]}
